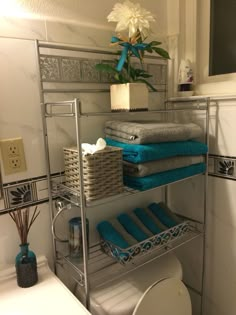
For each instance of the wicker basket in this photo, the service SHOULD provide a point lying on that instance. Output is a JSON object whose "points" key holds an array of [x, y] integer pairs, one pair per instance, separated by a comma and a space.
{"points": [[102, 171]]}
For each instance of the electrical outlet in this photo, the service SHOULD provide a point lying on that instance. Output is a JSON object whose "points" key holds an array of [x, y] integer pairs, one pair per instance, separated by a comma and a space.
{"points": [[13, 155]]}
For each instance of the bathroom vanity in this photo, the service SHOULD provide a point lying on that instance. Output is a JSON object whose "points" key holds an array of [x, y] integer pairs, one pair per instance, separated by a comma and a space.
{"points": [[47, 296]]}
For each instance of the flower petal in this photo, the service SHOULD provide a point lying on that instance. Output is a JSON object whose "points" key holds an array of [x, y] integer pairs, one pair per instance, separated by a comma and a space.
{"points": [[131, 17]]}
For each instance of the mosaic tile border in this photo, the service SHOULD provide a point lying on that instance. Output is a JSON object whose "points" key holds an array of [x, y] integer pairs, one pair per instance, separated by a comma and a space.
{"points": [[26, 192], [222, 166], [34, 191], [65, 69]]}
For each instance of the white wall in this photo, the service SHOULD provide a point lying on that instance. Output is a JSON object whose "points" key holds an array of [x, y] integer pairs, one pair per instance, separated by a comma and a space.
{"points": [[220, 271], [193, 41]]}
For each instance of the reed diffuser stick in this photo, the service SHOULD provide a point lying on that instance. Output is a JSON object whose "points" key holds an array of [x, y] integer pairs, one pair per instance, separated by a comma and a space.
{"points": [[23, 222]]}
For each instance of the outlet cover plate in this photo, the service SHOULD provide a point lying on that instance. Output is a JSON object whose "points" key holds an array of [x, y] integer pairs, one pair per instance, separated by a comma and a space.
{"points": [[13, 155]]}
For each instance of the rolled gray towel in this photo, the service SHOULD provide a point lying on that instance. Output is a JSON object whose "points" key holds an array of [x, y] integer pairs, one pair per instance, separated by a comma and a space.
{"points": [[128, 237]]}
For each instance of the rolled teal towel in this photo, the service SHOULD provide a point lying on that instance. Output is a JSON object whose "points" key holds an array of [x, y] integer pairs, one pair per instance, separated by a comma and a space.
{"points": [[131, 227], [139, 153], [147, 220], [160, 213], [109, 233], [163, 178]]}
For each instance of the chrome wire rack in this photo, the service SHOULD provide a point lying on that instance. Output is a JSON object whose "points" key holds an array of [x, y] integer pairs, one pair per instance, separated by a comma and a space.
{"points": [[105, 264], [163, 240]]}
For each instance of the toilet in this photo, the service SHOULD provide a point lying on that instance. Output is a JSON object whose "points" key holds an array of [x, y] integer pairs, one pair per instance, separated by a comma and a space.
{"points": [[153, 289]]}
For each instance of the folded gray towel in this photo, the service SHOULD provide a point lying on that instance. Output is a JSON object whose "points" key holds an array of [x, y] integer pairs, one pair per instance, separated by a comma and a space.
{"points": [[152, 167], [150, 132]]}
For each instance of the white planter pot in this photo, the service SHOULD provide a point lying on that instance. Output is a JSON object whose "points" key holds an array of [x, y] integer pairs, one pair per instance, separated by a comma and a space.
{"points": [[129, 97]]}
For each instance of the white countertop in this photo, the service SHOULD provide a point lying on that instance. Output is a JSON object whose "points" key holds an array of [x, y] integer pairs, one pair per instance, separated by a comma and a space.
{"points": [[49, 296]]}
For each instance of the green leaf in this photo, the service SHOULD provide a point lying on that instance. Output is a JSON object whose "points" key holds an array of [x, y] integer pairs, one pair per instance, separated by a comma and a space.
{"points": [[162, 52], [106, 68], [149, 49], [145, 75], [148, 84], [142, 73], [155, 43], [117, 77], [139, 71]]}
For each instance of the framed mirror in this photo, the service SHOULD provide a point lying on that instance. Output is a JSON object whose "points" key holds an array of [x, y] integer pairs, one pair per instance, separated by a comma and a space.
{"points": [[2, 204], [222, 57]]}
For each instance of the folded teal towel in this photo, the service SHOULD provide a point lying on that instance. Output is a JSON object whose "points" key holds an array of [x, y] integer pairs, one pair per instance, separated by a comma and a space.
{"points": [[131, 227], [147, 220], [160, 213], [158, 179], [109, 233], [138, 153]]}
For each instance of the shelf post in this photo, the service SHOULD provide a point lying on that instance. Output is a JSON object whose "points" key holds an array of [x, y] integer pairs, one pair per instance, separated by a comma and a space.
{"points": [[82, 202], [208, 102], [46, 148]]}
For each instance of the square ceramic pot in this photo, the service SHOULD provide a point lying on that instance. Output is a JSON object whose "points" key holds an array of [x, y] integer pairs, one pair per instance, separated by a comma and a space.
{"points": [[129, 97]]}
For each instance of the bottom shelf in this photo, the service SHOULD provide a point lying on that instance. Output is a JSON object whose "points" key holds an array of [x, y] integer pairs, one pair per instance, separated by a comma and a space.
{"points": [[104, 265], [158, 241]]}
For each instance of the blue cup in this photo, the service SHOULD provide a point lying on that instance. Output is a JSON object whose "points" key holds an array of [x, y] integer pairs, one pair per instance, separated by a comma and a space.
{"points": [[75, 237]]}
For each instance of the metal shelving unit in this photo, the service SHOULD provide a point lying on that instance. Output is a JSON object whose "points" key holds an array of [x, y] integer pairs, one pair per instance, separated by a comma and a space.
{"points": [[97, 263]]}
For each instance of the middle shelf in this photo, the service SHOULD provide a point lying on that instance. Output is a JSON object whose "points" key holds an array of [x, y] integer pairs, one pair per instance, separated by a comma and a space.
{"points": [[60, 190]]}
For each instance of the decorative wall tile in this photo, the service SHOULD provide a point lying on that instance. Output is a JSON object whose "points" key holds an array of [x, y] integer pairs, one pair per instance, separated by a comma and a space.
{"points": [[24, 192], [137, 65], [21, 194], [28, 191], [158, 73], [71, 69], [77, 69], [222, 166], [104, 76], [163, 79], [50, 68], [89, 74], [42, 189]]}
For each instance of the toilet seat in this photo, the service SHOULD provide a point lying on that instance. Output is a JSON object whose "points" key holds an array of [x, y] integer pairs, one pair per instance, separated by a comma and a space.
{"points": [[122, 296], [165, 297]]}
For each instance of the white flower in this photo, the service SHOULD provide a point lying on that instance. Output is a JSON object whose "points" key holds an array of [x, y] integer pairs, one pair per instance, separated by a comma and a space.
{"points": [[132, 17]]}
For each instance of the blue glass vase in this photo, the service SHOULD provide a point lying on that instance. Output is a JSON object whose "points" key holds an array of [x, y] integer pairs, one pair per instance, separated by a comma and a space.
{"points": [[26, 267]]}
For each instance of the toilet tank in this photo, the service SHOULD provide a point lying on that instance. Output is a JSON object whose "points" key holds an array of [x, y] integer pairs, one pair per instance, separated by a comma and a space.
{"points": [[120, 296]]}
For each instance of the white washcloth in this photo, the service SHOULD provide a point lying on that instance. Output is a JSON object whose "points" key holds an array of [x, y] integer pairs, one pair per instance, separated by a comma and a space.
{"points": [[92, 148]]}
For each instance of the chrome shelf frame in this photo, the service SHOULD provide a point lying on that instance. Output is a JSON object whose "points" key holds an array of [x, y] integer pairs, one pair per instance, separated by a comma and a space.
{"points": [[96, 262]]}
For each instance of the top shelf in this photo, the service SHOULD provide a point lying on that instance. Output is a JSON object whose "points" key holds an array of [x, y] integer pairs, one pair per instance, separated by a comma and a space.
{"points": [[73, 108]]}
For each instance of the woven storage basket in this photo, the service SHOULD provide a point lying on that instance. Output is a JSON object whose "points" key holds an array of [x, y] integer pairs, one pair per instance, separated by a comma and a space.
{"points": [[102, 171]]}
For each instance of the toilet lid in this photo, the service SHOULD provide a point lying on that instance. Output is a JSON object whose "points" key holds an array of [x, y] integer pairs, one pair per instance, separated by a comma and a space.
{"points": [[165, 297]]}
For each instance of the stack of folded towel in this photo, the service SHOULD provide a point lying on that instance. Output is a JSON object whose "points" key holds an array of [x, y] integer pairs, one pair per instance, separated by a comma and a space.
{"points": [[142, 225], [157, 153]]}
